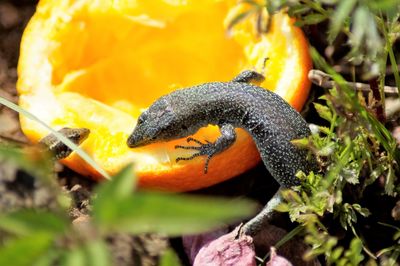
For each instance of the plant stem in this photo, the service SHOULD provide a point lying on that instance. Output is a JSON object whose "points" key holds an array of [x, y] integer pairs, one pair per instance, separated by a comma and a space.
{"points": [[324, 80]]}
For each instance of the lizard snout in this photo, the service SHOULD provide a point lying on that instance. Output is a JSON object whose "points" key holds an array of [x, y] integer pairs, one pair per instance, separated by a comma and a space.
{"points": [[137, 139], [134, 141]]}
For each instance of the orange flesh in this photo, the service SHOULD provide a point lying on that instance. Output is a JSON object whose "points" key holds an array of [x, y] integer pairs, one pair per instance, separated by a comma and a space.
{"points": [[98, 65]]}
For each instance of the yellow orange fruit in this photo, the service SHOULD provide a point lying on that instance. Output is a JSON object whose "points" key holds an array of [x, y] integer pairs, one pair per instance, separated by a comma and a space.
{"points": [[98, 64]]}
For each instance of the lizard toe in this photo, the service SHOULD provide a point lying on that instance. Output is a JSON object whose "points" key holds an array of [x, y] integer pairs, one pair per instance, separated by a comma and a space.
{"points": [[190, 139], [188, 158], [188, 147]]}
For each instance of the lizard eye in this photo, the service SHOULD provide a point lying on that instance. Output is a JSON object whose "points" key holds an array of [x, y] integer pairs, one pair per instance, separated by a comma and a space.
{"points": [[141, 118]]}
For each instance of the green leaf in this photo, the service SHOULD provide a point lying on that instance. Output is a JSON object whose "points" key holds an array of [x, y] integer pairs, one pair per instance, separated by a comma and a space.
{"points": [[354, 253], [313, 19], [298, 10], [365, 32], [361, 16], [25, 251], [383, 5], [90, 253], [301, 143], [171, 214], [117, 208], [111, 193], [324, 111], [74, 257], [48, 258], [337, 252], [97, 253], [169, 259], [26, 222], [340, 16]]}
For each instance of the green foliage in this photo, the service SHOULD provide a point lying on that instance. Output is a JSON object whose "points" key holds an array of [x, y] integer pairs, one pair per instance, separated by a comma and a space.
{"points": [[43, 237], [93, 252], [170, 214], [353, 151], [169, 259], [27, 222], [24, 251]]}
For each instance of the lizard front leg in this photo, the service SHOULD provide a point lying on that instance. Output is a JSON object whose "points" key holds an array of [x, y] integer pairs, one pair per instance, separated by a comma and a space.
{"points": [[227, 138]]}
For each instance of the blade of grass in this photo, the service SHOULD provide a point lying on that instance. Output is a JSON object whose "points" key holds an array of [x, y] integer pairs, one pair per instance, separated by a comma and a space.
{"points": [[298, 229], [342, 12], [62, 138], [392, 58]]}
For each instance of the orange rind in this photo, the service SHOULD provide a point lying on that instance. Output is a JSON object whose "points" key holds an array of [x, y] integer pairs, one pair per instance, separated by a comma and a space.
{"points": [[98, 64]]}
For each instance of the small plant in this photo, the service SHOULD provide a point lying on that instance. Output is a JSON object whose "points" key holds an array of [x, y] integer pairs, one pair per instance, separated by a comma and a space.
{"points": [[359, 161], [47, 237]]}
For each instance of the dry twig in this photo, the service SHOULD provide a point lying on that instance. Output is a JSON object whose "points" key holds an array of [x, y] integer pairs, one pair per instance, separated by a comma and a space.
{"points": [[324, 80]]}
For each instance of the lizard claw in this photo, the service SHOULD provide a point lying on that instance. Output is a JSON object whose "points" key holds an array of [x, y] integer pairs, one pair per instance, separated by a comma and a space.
{"points": [[207, 148]]}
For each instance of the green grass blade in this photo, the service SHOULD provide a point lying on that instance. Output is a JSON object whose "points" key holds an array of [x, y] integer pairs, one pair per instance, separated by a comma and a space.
{"points": [[118, 189], [342, 13]]}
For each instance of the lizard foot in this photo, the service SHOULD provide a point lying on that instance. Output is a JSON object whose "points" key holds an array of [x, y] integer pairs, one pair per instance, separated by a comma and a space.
{"points": [[208, 148]]}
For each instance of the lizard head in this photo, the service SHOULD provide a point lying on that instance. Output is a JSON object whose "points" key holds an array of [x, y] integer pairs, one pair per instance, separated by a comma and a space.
{"points": [[161, 122]]}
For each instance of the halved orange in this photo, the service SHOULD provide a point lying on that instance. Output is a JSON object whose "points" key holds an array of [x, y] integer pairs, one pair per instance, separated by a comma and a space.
{"points": [[98, 64]]}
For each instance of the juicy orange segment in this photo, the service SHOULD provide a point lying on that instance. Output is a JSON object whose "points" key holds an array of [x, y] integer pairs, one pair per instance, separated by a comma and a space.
{"points": [[98, 64]]}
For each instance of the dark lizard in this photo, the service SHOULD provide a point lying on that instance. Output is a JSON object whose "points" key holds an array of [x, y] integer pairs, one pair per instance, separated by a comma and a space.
{"points": [[271, 121]]}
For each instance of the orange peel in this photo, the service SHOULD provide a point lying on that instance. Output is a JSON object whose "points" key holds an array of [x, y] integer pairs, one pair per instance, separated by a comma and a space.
{"points": [[98, 64]]}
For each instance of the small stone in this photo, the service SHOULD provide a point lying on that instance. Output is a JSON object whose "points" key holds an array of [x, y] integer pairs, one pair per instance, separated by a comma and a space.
{"points": [[9, 16], [396, 211]]}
